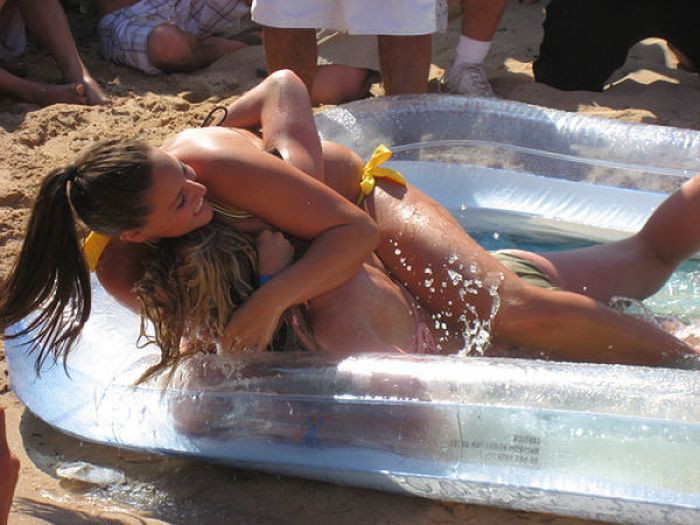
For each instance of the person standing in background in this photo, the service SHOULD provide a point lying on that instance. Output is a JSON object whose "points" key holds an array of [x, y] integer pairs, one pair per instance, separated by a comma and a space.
{"points": [[404, 30], [466, 75]]}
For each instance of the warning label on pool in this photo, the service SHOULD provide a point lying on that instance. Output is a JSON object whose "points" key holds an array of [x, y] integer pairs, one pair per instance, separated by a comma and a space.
{"points": [[515, 449]]}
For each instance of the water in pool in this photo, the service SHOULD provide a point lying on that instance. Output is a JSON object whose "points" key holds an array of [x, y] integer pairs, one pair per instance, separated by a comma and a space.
{"points": [[506, 208], [679, 298]]}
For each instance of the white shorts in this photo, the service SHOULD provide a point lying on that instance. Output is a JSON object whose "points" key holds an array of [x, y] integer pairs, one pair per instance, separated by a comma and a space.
{"points": [[355, 17], [124, 32]]}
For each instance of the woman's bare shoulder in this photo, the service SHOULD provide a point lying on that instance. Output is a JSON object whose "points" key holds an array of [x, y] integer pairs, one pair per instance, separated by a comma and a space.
{"points": [[195, 142], [119, 268]]}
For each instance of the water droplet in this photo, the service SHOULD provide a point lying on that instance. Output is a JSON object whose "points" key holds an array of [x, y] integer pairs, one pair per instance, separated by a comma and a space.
{"points": [[455, 277]]}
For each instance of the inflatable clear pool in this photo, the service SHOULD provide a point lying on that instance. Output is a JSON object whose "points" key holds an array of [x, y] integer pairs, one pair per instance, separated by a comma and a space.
{"points": [[616, 443]]}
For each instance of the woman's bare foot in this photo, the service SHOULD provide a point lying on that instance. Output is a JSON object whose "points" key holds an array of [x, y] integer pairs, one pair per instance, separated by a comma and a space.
{"points": [[9, 472]]}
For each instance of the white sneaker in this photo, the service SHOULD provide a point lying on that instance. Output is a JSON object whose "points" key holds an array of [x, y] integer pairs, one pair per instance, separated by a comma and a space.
{"points": [[467, 79]]}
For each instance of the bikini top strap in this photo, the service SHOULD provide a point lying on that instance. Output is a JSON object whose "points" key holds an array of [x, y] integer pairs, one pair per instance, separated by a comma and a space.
{"points": [[209, 119]]}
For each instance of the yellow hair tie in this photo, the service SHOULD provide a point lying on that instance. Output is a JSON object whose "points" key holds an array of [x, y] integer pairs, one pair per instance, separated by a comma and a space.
{"points": [[93, 247], [372, 171]]}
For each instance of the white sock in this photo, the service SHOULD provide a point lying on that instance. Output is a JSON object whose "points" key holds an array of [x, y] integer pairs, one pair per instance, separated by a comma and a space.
{"points": [[470, 51]]}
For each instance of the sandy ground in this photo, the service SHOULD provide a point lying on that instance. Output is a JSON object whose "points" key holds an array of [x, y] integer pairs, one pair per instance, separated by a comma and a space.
{"points": [[32, 141]]}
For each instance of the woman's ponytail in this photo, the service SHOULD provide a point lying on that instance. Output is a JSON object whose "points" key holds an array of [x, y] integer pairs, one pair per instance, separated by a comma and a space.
{"points": [[50, 275], [107, 189]]}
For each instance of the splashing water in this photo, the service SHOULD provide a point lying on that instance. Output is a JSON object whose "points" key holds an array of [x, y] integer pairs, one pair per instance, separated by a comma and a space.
{"points": [[477, 331], [672, 309], [675, 308], [476, 328]]}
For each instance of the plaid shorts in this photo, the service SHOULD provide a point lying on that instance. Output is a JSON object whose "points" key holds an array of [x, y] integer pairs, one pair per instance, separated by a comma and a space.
{"points": [[124, 33]]}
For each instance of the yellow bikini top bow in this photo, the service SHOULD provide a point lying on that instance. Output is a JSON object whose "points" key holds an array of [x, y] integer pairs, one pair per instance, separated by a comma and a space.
{"points": [[372, 171], [93, 246]]}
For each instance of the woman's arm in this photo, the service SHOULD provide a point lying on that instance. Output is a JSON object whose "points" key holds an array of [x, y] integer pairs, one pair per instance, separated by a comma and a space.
{"points": [[335, 254], [239, 175], [281, 108]]}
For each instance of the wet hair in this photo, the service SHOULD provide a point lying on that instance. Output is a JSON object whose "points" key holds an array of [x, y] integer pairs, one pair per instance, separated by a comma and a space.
{"points": [[106, 189], [193, 284]]}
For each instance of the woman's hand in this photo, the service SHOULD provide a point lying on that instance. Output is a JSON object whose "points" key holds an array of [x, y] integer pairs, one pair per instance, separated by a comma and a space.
{"points": [[275, 252], [252, 325], [194, 342]]}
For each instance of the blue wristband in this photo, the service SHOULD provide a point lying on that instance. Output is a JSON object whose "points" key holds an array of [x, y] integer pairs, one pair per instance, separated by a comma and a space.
{"points": [[264, 278]]}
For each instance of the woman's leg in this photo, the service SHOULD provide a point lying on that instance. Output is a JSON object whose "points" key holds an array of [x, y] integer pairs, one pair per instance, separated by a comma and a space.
{"points": [[427, 249], [573, 327], [638, 266]]}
